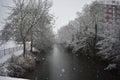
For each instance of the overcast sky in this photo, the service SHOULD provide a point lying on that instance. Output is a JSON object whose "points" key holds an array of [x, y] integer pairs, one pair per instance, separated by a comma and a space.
{"points": [[4, 11], [63, 10]]}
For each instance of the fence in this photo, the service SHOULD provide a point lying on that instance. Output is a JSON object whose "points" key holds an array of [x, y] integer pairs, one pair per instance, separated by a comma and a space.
{"points": [[9, 51]]}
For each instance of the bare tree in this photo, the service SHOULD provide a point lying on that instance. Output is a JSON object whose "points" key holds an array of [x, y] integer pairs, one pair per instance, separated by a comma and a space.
{"points": [[25, 15]]}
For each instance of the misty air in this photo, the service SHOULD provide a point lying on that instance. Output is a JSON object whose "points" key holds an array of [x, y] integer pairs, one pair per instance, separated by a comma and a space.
{"points": [[59, 39]]}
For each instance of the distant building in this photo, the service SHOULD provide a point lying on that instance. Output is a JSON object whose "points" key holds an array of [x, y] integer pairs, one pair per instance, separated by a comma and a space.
{"points": [[111, 11]]}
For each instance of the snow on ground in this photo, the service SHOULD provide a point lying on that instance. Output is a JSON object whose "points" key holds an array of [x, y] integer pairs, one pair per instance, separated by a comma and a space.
{"points": [[9, 44], [12, 44], [9, 78], [6, 57], [17, 66]]}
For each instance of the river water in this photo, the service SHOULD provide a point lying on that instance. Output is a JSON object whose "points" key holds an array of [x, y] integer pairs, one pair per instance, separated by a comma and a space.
{"points": [[60, 64]]}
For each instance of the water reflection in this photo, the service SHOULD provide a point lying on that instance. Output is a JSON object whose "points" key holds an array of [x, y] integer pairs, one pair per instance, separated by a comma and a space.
{"points": [[60, 64]]}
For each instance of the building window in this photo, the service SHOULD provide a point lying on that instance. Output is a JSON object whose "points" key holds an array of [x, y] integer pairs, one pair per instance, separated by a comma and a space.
{"points": [[117, 3], [109, 10], [113, 1]]}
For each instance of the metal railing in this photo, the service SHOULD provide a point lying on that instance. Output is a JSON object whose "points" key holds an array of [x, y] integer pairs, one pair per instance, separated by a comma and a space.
{"points": [[10, 51]]}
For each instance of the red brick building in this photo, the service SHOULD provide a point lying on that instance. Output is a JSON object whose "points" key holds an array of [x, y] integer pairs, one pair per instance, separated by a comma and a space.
{"points": [[111, 11]]}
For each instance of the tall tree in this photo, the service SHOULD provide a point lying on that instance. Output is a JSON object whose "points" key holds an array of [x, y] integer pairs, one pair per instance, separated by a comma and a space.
{"points": [[25, 15]]}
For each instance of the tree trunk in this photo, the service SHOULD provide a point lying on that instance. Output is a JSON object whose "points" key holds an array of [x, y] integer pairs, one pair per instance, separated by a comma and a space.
{"points": [[31, 45], [24, 48], [95, 39]]}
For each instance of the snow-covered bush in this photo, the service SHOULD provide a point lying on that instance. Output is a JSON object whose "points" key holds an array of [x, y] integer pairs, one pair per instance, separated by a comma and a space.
{"points": [[109, 49], [17, 66], [110, 67], [90, 35], [27, 63], [3, 70], [11, 69]]}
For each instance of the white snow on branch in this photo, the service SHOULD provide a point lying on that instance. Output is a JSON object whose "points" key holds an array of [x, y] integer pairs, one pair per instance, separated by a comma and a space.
{"points": [[110, 67]]}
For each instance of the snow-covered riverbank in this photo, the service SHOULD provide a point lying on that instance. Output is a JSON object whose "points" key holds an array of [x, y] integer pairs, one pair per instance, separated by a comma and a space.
{"points": [[16, 66], [9, 78]]}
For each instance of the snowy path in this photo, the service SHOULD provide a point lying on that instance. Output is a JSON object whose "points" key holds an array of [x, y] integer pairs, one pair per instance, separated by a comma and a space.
{"points": [[9, 44], [16, 53], [6, 57], [9, 78]]}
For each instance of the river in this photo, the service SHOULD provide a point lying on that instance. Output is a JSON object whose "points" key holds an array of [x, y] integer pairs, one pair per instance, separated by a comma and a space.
{"points": [[60, 64]]}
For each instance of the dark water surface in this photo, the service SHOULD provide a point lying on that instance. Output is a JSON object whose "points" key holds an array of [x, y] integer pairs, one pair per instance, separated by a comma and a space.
{"points": [[60, 64]]}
